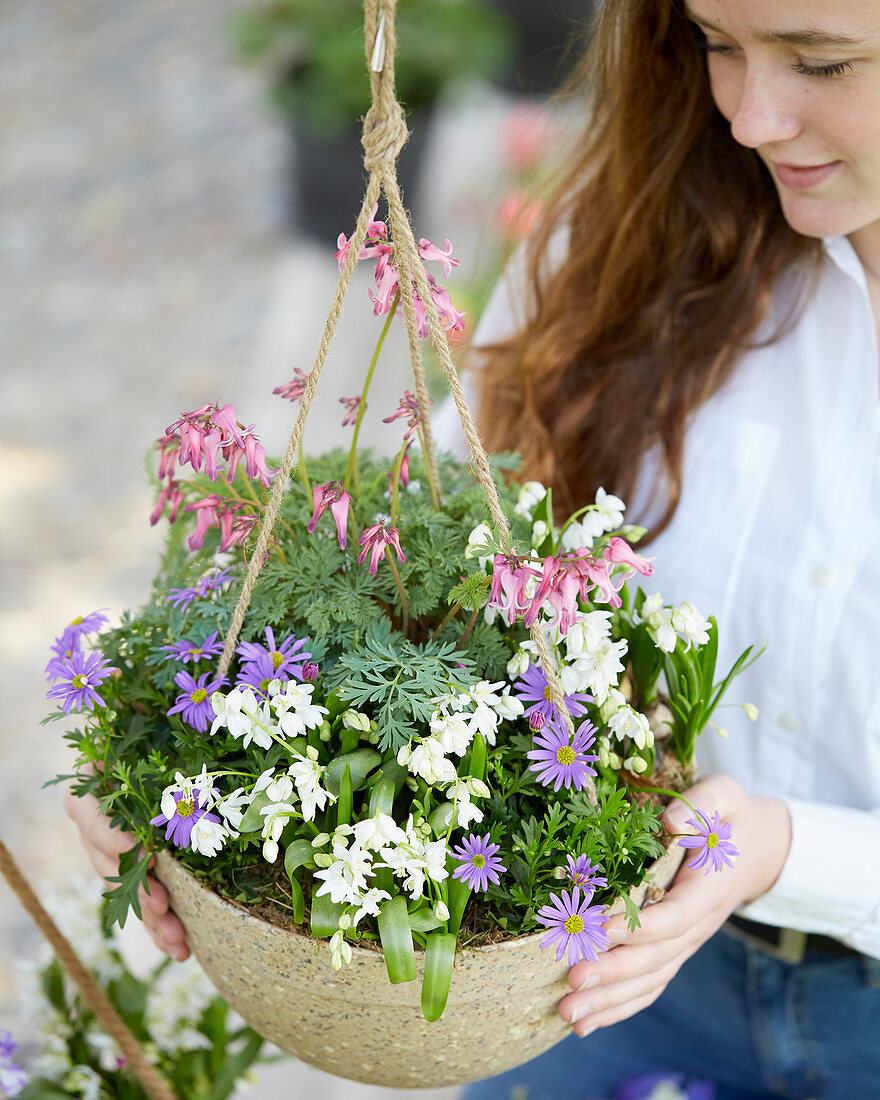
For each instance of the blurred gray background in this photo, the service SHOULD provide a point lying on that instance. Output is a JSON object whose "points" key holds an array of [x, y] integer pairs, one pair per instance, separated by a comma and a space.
{"points": [[148, 266]]}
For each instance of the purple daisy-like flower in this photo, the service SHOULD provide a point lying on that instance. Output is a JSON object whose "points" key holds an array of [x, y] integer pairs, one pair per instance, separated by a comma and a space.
{"points": [[79, 675], [479, 863], [650, 1084], [187, 651], [562, 763], [181, 598], [716, 850], [575, 925], [187, 812], [532, 688], [584, 873], [278, 662], [12, 1077], [194, 704]]}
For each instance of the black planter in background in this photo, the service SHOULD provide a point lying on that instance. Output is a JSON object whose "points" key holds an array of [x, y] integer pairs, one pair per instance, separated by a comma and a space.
{"points": [[544, 30], [329, 178]]}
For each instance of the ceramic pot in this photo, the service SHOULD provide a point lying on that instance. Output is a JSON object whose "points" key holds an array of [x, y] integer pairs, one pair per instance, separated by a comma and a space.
{"points": [[352, 1022]]}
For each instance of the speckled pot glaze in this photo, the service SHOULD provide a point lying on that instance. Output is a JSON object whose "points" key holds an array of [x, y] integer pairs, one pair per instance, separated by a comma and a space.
{"points": [[352, 1022]]}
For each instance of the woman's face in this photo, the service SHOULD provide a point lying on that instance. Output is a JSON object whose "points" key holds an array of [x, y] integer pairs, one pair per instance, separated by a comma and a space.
{"points": [[799, 82]]}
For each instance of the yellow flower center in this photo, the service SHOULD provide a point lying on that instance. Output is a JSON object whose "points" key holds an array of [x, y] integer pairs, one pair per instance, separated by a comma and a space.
{"points": [[76, 621], [264, 685], [548, 695], [479, 861], [199, 695], [194, 652], [573, 924], [712, 840], [186, 807], [79, 682], [565, 754], [277, 659]]}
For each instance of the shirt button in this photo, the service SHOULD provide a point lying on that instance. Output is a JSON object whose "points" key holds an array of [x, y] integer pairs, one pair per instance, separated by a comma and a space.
{"points": [[820, 577], [788, 721]]}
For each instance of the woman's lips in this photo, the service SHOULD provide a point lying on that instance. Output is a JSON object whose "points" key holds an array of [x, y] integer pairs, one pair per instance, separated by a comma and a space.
{"points": [[803, 179]]}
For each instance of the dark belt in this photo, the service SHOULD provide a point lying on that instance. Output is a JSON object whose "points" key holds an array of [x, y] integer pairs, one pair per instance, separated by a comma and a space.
{"points": [[787, 944]]}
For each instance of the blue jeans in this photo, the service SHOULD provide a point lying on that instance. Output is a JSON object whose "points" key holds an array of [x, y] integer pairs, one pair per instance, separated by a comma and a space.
{"points": [[759, 1028]]}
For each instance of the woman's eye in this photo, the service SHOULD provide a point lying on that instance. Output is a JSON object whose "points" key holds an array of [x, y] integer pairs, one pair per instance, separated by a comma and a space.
{"points": [[833, 68]]}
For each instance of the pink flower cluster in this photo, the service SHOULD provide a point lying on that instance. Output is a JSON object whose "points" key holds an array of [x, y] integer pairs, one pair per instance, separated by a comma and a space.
{"points": [[564, 580], [203, 439], [332, 497], [378, 245]]}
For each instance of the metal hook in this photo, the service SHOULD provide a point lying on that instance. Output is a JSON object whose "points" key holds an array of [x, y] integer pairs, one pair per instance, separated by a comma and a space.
{"points": [[377, 61]]}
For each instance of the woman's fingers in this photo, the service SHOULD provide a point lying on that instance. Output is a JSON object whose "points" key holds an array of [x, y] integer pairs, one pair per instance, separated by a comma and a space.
{"points": [[95, 829]]}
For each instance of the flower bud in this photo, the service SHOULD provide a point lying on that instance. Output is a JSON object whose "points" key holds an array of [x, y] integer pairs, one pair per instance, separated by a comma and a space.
{"points": [[560, 873], [751, 711], [310, 672], [320, 840], [441, 912], [636, 764], [344, 921], [537, 721], [355, 720], [322, 859]]}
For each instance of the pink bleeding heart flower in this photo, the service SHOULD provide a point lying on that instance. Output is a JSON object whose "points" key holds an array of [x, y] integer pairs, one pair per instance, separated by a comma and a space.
{"points": [[333, 496], [294, 390], [510, 576], [374, 539], [619, 551], [352, 404], [172, 494]]}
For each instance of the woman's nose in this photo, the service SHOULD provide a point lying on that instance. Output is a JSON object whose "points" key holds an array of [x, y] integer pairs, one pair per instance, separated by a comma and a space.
{"points": [[765, 114]]}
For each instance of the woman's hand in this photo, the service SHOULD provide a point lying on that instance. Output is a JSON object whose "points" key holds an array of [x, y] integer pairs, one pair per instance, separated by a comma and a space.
{"points": [[104, 845], [634, 974]]}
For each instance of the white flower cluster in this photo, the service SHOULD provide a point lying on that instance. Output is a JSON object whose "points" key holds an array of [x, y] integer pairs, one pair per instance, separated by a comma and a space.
{"points": [[378, 841], [599, 518], [305, 775], [457, 718], [287, 712], [666, 624], [177, 999], [207, 836]]}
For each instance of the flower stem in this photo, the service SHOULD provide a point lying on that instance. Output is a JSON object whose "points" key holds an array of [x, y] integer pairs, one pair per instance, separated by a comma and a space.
{"points": [[301, 470], [351, 471], [470, 626], [404, 603], [447, 618], [435, 490]]}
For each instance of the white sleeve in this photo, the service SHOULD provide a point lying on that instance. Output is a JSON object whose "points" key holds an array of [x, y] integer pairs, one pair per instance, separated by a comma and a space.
{"points": [[831, 880]]}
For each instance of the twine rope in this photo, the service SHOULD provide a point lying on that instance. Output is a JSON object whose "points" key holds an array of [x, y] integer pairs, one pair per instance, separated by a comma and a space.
{"points": [[153, 1083], [384, 135]]}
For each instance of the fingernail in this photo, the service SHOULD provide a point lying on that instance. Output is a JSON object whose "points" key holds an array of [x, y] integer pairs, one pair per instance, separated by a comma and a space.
{"points": [[589, 983], [579, 1013], [616, 935], [589, 1031]]}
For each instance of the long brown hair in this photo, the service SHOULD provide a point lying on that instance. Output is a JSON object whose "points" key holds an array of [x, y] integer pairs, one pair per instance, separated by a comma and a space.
{"points": [[676, 239]]}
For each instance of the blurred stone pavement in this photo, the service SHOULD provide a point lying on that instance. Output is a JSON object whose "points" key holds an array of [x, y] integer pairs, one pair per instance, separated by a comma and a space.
{"points": [[146, 270]]}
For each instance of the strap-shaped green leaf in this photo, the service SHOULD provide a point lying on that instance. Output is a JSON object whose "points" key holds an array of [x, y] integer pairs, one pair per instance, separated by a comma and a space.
{"points": [[361, 762], [423, 920], [382, 797], [397, 943], [458, 893], [439, 957], [345, 799], [325, 915], [297, 854], [479, 756]]}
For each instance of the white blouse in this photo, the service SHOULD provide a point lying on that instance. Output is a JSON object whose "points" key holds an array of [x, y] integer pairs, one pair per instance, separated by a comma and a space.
{"points": [[778, 535]]}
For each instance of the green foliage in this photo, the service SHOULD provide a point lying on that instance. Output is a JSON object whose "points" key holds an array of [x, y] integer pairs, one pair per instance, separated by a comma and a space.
{"points": [[398, 680], [315, 50]]}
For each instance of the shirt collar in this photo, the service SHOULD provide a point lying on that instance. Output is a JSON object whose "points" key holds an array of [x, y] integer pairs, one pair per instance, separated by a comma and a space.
{"points": [[843, 255]]}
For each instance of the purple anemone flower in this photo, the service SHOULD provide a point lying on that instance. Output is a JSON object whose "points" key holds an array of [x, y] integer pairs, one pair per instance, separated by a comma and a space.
{"points": [[278, 662], [584, 873], [716, 850], [479, 863], [186, 651], [194, 704], [79, 675], [532, 688], [561, 763], [187, 812], [575, 925], [12, 1077]]}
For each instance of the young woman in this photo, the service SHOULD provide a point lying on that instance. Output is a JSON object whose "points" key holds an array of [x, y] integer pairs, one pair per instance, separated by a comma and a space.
{"points": [[697, 332]]}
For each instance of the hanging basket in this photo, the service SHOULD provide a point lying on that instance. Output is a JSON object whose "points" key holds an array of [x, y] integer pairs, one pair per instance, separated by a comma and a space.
{"points": [[353, 1023]]}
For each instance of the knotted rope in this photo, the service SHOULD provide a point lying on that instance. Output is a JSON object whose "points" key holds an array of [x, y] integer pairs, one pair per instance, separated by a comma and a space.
{"points": [[384, 135], [94, 996]]}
